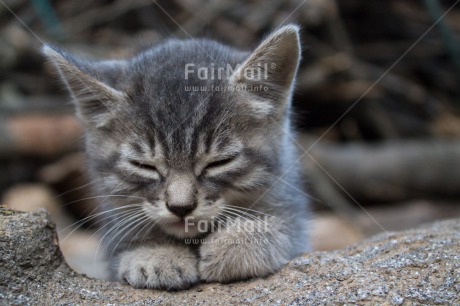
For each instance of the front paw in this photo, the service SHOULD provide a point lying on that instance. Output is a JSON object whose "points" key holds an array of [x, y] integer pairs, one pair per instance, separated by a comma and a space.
{"points": [[160, 267], [232, 259]]}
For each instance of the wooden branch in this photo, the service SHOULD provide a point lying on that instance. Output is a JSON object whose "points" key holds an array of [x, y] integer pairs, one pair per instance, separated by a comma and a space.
{"points": [[391, 171], [44, 135]]}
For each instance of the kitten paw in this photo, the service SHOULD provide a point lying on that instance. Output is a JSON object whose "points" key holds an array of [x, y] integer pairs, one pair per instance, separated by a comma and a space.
{"points": [[227, 261], [160, 267]]}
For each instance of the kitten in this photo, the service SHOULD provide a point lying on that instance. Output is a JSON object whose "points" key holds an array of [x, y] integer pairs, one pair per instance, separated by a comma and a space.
{"points": [[192, 139]]}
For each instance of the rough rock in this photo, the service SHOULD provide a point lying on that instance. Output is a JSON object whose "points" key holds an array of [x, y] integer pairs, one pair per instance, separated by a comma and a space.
{"points": [[420, 266]]}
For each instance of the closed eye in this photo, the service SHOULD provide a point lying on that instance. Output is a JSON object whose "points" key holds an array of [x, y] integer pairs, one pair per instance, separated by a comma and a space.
{"points": [[220, 163], [143, 166]]}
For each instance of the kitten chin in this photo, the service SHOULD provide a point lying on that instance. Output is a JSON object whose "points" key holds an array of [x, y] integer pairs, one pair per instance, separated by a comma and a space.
{"points": [[182, 229]]}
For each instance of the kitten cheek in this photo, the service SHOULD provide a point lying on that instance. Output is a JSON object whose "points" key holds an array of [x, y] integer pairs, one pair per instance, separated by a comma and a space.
{"points": [[256, 178], [213, 204], [153, 209], [153, 202]]}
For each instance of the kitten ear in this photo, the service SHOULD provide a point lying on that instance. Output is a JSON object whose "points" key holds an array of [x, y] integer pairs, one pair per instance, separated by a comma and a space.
{"points": [[94, 98], [270, 70]]}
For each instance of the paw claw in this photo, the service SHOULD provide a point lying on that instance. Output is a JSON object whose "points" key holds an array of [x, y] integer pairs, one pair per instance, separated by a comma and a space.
{"points": [[157, 268]]}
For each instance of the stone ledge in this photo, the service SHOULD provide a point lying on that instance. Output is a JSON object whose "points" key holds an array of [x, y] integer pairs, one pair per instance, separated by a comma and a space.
{"points": [[414, 266]]}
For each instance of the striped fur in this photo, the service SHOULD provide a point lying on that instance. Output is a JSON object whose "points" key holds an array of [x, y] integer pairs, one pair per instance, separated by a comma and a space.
{"points": [[152, 142]]}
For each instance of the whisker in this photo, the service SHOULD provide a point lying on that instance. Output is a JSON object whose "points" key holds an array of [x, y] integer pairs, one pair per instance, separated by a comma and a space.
{"points": [[120, 215], [122, 227], [249, 209], [116, 227], [255, 218], [147, 223], [139, 223], [89, 218], [298, 189], [148, 231], [267, 225], [105, 196], [279, 219], [118, 220], [100, 204], [76, 188], [242, 231]]}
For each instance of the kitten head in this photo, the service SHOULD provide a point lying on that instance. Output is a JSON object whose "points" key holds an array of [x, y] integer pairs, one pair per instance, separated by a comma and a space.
{"points": [[188, 126]]}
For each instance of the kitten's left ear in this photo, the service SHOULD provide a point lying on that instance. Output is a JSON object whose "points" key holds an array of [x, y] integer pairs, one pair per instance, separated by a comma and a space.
{"points": [[272, 66], [89, 84]]}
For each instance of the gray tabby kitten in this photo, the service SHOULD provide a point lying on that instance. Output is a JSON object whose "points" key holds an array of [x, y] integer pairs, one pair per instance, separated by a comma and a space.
{"points": [[181, 147]]}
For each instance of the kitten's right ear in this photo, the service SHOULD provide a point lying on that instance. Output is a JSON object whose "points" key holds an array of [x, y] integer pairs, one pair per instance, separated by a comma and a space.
{"points": [[94, 99], [272, 66]]}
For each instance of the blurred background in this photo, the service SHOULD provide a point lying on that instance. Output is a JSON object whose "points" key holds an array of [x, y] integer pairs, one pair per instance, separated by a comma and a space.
{"points": [[377, 105]]}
